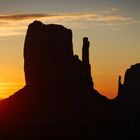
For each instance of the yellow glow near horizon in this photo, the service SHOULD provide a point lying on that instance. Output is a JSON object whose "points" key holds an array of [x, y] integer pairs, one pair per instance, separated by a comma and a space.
{"points": [[7, 89]]}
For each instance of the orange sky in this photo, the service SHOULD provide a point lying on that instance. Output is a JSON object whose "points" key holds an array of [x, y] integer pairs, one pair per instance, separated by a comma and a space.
{"points": [[112, 28]]}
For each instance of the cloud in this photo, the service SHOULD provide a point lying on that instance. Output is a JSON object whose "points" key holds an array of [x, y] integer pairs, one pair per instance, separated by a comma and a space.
{"points": [[67, 16], [21, 16], [16, 24]]}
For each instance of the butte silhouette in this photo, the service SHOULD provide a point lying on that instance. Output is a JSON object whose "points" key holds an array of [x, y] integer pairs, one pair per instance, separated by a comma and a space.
{"points": [[59, 100], [49, 61]]}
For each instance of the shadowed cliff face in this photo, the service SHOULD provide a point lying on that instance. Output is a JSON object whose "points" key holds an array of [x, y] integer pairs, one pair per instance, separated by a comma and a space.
{"points": [[49, 61]]}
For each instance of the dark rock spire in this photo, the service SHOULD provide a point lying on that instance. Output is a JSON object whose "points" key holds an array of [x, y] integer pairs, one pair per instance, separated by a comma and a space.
{"points": [[120, 86], [85, 50]]}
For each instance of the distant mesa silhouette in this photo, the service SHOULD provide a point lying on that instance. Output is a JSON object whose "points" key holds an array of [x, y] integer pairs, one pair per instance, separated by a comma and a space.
{"points": [[129, 91]]}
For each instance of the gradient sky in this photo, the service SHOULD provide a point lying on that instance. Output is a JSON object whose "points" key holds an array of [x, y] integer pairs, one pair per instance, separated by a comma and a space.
{"points": [[113, 28]]}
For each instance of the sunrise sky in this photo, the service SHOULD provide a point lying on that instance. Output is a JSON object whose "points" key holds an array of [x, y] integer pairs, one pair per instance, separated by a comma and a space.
{"points": [[113, 28]]}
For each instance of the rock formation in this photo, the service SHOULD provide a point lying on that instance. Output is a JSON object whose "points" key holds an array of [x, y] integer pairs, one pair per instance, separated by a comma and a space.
{"points": [[49, 60], [129, 91]]}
